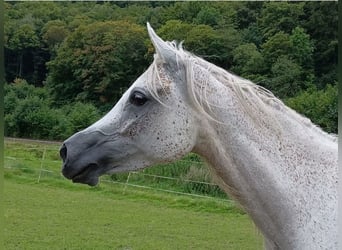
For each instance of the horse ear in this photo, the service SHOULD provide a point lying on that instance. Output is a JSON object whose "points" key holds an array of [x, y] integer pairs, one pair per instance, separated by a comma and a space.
{"points": [[163, 49]]}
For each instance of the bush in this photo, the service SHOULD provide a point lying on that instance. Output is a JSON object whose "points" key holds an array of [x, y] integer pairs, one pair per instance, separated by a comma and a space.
{"points": [[29, 113], [81, 115], [25, 107], [33, 118], [318, 105]]}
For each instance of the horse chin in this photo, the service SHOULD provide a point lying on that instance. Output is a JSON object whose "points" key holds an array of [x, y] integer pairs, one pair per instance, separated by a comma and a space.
{"points": [[90, 180], [88, 175], [91, 174]]}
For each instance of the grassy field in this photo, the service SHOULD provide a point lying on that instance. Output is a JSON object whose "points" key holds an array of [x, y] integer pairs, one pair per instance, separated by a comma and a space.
{"points": [[56, 214]]}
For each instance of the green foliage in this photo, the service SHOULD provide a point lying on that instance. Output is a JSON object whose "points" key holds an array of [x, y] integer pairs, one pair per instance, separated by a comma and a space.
{"points": [[174, 30], [277, 45], [54, 32], [18, 90], [29, 113], [185, 12], [252, 34], [248, 61], [95, 50], [215, 46], [97, 62], [302, 47], [247, 14], [278, 17], [216, 14], [320, 21], [287, 78], [289, 58], [209, 16], [319, 105], [24, 55], [23, 38], [81, 115]]}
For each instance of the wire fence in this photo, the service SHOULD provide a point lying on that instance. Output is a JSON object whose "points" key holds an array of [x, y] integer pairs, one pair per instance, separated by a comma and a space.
{"points": [[40, 159]]}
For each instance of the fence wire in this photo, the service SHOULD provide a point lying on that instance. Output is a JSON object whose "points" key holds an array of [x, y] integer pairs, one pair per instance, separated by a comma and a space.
{"points": [[41, 150]]}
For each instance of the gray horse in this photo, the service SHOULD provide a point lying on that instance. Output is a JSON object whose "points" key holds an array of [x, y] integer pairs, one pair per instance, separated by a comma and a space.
{"points": [[279, 166]]}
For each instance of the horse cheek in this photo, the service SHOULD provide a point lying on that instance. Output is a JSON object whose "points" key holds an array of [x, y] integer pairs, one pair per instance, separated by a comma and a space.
{"points": [[180, 141]]}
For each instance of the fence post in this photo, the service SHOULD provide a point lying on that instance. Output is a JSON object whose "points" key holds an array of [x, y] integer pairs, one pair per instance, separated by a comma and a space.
{"points": [[41, 164], [126, 184]]}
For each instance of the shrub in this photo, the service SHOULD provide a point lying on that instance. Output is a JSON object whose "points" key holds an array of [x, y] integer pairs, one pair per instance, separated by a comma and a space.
{"points": [[318, 105], [29, 113], [32, 118], [81, 115]]}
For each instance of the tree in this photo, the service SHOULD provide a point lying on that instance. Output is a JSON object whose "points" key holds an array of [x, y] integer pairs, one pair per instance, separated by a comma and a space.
{"points": [[278, 45], [213, 45], [321, 23], [175, 30], [97, 61], [43, 12], [22, 40], [24, 55], [252, 34], [103, 12], [318, 105], [183, 11], [248, 61], [279, 16], [209, 16], [247, 13], [286, 78], [288, 58], [302, 48], [54, 32]]}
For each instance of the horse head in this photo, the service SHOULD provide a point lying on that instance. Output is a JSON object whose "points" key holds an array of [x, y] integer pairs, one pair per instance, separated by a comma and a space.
{"points": [[152, 123]]}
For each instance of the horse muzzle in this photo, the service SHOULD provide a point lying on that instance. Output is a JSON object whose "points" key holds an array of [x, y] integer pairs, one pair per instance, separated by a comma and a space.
{"points": [[86, 157]]}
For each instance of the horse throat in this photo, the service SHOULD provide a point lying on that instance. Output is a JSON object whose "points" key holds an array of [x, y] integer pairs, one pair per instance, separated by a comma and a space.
{"points": [[244, 180]]}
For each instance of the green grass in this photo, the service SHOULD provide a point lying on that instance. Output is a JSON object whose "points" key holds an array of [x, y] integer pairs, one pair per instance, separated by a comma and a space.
{"points": [[57, 214], [45, 216]]}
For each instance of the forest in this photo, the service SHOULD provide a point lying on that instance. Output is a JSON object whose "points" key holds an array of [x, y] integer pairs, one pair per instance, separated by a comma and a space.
{"points": [[67, 63]]}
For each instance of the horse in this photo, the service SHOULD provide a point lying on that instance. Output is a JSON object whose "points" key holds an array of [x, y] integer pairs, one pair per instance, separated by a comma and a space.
{"points": [[279, 166]]}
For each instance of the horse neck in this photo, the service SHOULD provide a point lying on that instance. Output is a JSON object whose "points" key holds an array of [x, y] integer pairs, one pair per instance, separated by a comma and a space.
{"points": [[277, 178]]}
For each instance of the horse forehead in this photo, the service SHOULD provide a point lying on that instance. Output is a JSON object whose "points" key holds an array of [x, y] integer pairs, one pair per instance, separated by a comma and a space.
{"points": [[141, 81]]}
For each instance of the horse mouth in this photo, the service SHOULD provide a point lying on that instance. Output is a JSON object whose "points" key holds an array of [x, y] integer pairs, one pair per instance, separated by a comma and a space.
{"points": [[87, 175]]}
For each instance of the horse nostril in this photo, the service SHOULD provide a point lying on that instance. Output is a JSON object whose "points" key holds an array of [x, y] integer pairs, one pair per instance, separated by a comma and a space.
{"points": [[63, 152]]}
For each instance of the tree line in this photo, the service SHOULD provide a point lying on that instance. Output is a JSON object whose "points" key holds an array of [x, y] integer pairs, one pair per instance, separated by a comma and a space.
{"points": [[61, 56]]}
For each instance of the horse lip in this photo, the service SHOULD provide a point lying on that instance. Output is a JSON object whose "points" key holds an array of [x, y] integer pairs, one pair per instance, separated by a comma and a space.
{"points": [[86, 175]]}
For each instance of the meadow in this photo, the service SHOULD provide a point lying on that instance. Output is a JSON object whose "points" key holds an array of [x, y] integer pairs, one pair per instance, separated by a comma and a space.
{"points": [[45, 211]]}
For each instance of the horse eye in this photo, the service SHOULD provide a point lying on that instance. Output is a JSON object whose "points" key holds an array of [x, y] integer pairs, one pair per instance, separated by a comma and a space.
{"points": [[137, 98]]}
